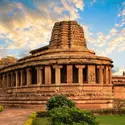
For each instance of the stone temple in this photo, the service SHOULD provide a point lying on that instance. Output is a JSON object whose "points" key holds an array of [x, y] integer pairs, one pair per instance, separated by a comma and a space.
{"points": [[66, 66]]}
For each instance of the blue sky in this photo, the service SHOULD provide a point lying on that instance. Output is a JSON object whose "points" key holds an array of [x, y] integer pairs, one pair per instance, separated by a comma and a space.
{"points": [[27, 25]]}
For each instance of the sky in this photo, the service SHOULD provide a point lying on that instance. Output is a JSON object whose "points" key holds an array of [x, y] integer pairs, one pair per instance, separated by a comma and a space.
{"points": [[27, 24]]}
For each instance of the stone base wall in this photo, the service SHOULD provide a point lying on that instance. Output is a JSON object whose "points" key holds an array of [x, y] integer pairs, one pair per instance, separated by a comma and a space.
{"points": [[119, 86], [85, 97], [119, 92]]}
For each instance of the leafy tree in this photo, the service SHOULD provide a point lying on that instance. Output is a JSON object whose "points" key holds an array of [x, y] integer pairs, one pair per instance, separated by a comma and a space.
{"points": [[118, 105], [59, 101], [7, 61]]}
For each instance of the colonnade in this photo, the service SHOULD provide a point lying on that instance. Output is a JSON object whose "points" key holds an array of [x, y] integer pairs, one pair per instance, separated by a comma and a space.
{"points": [[43, 75]]}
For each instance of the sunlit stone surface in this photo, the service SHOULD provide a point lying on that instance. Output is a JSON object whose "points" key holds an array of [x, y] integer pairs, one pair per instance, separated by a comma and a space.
{"points": [[66, 66]]}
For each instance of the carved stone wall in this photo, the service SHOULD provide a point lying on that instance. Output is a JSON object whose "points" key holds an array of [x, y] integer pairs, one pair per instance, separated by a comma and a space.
{"points": [[91, 74]]}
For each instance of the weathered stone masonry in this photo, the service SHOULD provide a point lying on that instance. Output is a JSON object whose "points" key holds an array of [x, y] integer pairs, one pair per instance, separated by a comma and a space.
{"points": [[65, 66]]}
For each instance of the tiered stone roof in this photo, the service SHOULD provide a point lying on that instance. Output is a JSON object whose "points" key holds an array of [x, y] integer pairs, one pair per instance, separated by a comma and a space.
{"points": [[67, 35]]}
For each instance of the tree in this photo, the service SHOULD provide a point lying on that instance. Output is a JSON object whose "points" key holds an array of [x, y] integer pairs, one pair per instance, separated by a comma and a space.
{"points": [[7, 61], [118, 105], [71, 116]]}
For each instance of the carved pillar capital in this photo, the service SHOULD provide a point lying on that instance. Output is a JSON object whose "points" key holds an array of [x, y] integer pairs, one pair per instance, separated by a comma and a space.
{"points": [[39, 67], [80, 66], [57, 66], [28, 69], [100, 67]]}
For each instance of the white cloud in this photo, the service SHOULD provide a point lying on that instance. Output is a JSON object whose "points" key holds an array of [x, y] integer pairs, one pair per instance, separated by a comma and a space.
{"points": [[93, 1], [121, 15], [79, 4], [27, 29], [119, 71], [113, 31]]}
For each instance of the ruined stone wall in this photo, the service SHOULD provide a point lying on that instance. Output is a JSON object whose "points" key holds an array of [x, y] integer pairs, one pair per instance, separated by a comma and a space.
{"points": [[119, 86]]}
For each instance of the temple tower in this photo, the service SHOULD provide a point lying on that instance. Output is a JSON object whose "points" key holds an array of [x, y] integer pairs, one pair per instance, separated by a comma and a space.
{"points": [[68, 35]]}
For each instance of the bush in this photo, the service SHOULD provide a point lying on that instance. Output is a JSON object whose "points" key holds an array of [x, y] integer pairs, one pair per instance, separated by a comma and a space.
{"points": [[28, 122], [59, 101], [33, 115], [1, 108], [71, 116], [103, 111], [118, 105], [42, 114]]}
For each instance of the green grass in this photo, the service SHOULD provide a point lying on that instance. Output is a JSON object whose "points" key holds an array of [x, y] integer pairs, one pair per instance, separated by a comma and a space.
{"points": [[111, 120], [41, 121], [103, 120]]}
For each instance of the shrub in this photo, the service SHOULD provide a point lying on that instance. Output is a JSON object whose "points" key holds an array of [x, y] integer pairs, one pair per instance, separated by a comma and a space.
{"points": [[103, 111], [28, 122], [123, 111], [42, 114], [33, 115], [59, 101], [1, 108], [71, 116], [118, 105]]}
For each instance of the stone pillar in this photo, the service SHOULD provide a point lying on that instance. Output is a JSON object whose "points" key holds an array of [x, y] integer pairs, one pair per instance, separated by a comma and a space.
{"points": [[17, 79], [106, 75], [123, 73], [12, 80], [91, 74], [22, 78], [8, 81], [80, 73], [0, 81], [28, 76], [47, 74], [3, 81], [39, 75], [57, 74], [110, 75], [69, 74], [101, 81]]}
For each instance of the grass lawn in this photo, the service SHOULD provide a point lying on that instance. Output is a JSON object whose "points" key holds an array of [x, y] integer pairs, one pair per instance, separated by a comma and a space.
{"points": [[103, 120], [41, 121], [111, 120]]}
